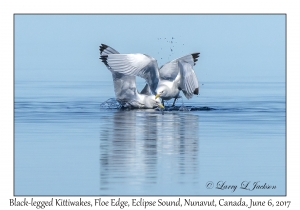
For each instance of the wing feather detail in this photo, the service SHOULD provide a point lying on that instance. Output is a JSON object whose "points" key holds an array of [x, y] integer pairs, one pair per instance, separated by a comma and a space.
{"points": [[134, 65], [105, 49], [170, 70], [188, 82]]}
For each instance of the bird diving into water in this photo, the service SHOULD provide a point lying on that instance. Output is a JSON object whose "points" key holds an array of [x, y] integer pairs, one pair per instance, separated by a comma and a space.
{"points": [[125, 88], [165, 82]]}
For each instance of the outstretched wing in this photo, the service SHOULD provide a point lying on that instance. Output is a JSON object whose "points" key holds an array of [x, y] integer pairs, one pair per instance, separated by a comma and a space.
{"points": [[188, 79], [124, 85], [134, 65], [170, 70], [105, 50]]}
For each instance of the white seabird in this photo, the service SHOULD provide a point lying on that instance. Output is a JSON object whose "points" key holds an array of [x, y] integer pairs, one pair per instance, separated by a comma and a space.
{"points": [[166, 82], [125, 88]]}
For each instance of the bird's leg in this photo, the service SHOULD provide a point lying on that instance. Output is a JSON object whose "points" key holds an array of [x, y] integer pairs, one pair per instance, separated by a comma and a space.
{"points": [[174, 102], [162, 101]]}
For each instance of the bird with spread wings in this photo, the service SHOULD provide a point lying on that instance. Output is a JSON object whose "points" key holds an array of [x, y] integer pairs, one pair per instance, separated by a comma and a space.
{"points": [[125, 88], [165, 82]]}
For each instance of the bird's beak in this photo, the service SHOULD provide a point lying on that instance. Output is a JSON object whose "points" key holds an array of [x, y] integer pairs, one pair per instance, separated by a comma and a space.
{"points": [[161, 106], [157, 95]]}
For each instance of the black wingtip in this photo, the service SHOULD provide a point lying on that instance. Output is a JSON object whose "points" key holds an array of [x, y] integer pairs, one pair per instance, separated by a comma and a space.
{"points": [[196, 91], [195, 56], [102, 47], [104, 60]]}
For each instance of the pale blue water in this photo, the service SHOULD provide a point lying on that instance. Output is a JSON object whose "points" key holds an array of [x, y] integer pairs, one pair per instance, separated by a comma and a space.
{"points": [[65, 144]]}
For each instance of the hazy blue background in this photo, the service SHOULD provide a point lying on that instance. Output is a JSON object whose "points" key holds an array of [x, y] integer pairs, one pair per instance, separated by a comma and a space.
{"points": [[65, 144], [233, 47]]}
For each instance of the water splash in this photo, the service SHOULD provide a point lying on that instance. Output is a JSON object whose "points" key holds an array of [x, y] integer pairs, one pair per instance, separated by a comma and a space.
{"points": [[111, 103]]}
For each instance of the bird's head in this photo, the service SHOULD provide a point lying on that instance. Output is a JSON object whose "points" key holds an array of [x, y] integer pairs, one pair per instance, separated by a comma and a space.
{"points": [[152, 102], [158, 103], [161, 92]]}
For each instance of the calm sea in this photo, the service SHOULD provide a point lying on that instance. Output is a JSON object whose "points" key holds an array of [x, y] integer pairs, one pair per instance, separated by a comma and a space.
{"points": [[65, 143]]}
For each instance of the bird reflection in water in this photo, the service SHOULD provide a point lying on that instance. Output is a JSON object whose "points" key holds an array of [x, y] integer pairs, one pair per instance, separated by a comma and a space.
{"points": [[144, 149]]}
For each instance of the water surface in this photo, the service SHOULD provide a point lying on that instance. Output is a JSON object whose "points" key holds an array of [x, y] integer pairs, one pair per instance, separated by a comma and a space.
{"points": [[66, 144]]}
